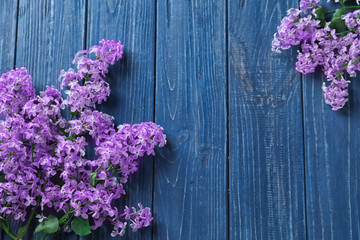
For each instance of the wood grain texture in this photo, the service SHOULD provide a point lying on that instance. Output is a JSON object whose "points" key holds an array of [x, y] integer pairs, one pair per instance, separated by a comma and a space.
{"points": [[190, 172], [49, 34], [332, 161], [8, 13], [131, 82], [185, 88], [265, 122], [332, 168]]}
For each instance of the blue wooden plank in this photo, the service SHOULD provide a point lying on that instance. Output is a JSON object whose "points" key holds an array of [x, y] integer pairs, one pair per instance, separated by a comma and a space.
{"points": [[131, 82], [49, 34], [8, 14], [332, 161], [190, 200], [265, 122], [332, 168]]}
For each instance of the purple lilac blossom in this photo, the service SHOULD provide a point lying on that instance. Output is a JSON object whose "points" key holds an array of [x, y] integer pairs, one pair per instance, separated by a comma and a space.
{"points": [[87, 86], [293, 30], [322, 48], [308, 4], [15, 89], [336, 94], [43, 155]]}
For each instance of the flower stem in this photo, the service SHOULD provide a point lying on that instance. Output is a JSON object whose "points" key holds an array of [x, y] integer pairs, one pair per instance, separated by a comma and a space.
{"points": [[340, 73], [69, 216], [7, 231], [44, 236], [344, 7], [32, 151], [9, 234], [71, 117], [351, 30], [32, 215], [64, 217], [350, 7]]}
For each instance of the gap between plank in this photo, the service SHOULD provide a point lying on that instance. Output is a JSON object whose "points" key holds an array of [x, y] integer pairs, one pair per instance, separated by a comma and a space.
{"points": [[227, 121], [154, 119]]}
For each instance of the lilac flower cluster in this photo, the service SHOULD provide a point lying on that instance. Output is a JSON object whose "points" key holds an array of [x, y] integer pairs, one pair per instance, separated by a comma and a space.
{"points": [[43, 162], [89, 79], [333, 46], [15, 89]]}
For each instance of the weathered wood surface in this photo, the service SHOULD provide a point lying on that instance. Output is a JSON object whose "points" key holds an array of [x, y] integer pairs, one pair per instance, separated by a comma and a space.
{"points": [[253, 151], [190, 199], [131, 82], [265, 127], [332, 162], [8, 12]]}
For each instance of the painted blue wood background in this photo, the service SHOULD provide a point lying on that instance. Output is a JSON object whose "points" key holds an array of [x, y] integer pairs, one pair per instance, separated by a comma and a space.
{"points": [[253, 151]]}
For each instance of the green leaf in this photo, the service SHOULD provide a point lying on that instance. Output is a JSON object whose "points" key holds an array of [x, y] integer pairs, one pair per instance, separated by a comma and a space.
{"points": [[92, 177], [81, 226], [22, 231], [48, 225], [321, 15], [2, 178], [336, 22]]}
